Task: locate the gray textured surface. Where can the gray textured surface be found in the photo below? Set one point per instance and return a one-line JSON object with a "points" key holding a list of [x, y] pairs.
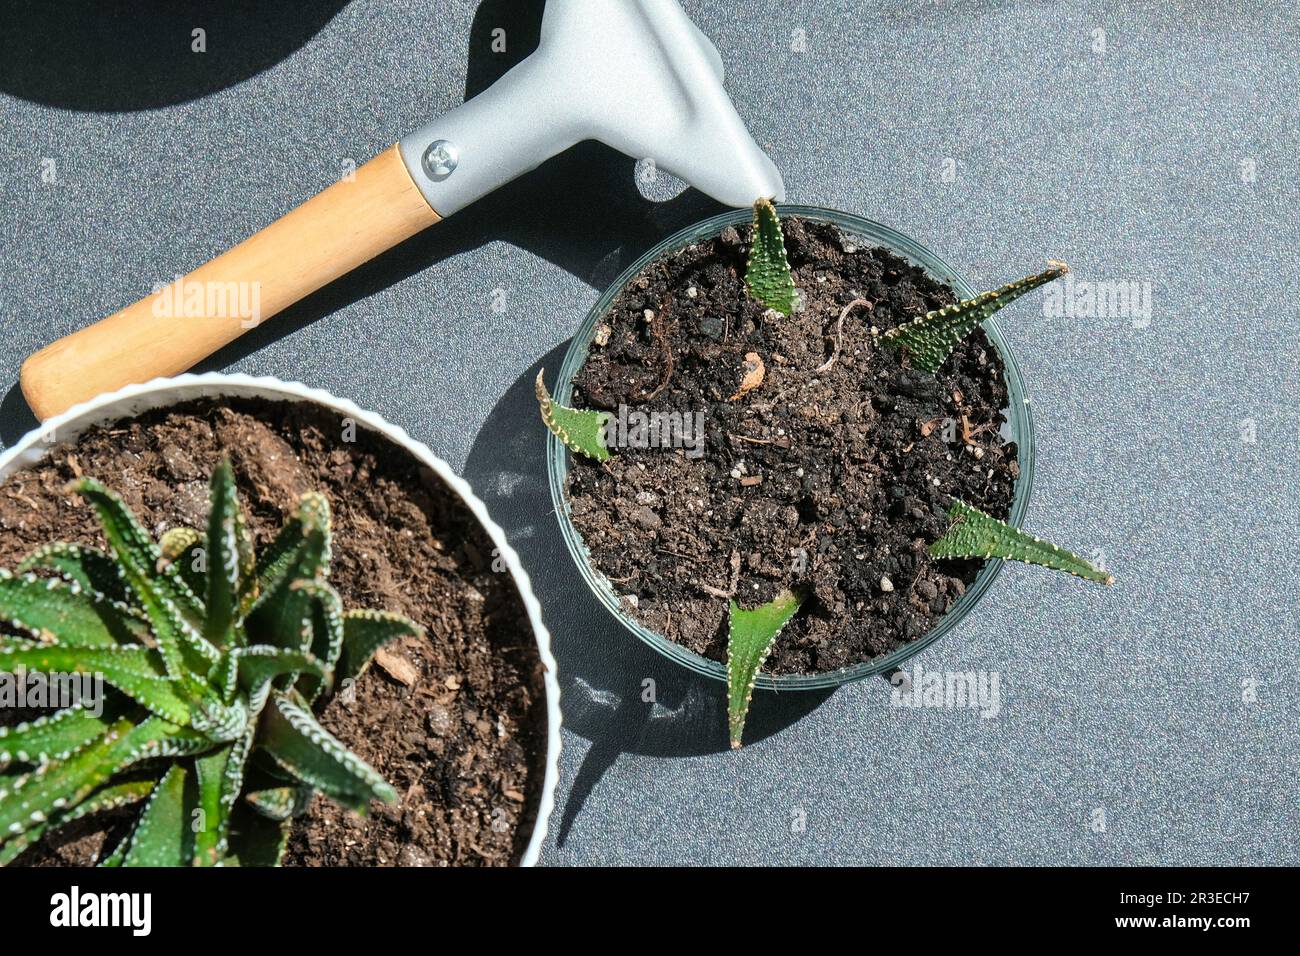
{"points": [[1126, 163]]}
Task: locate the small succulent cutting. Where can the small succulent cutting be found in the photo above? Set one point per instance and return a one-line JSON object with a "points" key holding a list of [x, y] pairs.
{"points": [[927, 342], [750, 635], [767, 273], [973, 534], [213, 656], [581, 431], [930, 339]]}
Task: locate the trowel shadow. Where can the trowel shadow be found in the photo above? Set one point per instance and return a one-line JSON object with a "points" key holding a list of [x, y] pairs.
{"points": [[113, 57], [16, 419], [617, 692]]}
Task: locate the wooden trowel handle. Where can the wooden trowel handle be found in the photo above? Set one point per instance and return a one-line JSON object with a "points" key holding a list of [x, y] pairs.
{"points": [[184, 322]]}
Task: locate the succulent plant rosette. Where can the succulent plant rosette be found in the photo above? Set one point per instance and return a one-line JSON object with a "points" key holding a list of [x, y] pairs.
{"points": [[920, 346], [211, 657]]}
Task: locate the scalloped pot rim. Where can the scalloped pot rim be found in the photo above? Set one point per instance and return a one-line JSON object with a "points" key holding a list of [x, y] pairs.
{"points": [[159, 393]]}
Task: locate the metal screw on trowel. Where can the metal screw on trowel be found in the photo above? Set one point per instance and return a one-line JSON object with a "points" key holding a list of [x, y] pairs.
{"points": [[440, 159]]}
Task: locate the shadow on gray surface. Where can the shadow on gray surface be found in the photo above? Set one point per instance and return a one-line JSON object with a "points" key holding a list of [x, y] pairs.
{"points": [[520, 26], [116, 56], [604, 670], [16, 419]]}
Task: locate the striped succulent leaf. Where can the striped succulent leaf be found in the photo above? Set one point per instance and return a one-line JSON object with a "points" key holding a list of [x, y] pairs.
{"points": [[322, 633], [277, 803], [930, 339], [310, 753], [364, 632], [767, 273], [211, 657], [55, 607], [749, 640], [581, 430], [89, 568], [129, 789], [974, 534], [164, 834]]}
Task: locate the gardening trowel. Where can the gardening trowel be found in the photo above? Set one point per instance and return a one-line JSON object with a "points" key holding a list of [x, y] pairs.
{"points": [[635, 74]]}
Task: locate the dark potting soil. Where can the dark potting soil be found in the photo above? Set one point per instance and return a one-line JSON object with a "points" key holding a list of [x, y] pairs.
{"points": [[456, 722], [830, 478]]}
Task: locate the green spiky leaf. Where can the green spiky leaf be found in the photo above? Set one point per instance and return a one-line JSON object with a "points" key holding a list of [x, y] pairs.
{"points": [[224, 676], [364, 632], [261, 663], [215, 772], [277, 803], [56, 736], [325, 621], [930, 339], [298, 744], [581, 430], [93, 570], [223, 555], [29, 800], [110, 797], [154, 738], [280, 611], [172, 607], [274, 562], [246, 555], [122, 792], [54, 609], [749, 640], [136, 554], [164, 834], [974, 534], [767, 274], [137, 672]]}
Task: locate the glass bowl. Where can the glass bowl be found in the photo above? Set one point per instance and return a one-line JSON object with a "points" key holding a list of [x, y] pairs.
{"points": [[1018, 428]]}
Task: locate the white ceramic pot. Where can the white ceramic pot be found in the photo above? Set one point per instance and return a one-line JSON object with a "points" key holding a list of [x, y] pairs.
{"points": [[163, 392]]}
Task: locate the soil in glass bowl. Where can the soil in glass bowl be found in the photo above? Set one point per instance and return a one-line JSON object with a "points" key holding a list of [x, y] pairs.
{"points": [[456, 722], [828, 477]]}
